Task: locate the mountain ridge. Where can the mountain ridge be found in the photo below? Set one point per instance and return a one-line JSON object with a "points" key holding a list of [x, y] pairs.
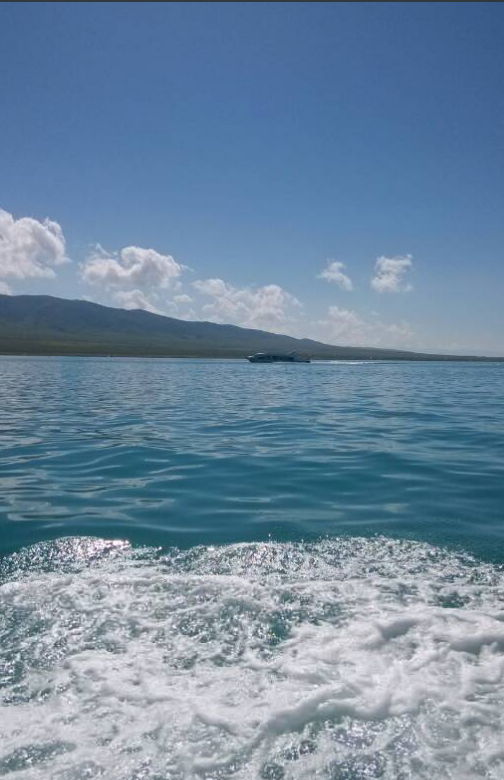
{"points": [[48, 325]]}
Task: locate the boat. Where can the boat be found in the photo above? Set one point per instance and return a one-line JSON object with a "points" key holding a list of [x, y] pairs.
{"points": [[275, 357]]}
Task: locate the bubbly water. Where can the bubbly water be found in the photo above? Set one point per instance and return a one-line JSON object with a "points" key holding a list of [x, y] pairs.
{"points": [[218, 570]]}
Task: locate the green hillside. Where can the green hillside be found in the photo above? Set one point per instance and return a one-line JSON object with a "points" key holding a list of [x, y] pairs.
{"points": [[44, 325]]}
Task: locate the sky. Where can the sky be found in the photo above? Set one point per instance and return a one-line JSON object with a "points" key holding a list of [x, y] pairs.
{"points": [[331, 170]]}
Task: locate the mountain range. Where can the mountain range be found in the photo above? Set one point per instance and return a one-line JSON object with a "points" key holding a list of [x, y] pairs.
{"points": [[45, 325]]}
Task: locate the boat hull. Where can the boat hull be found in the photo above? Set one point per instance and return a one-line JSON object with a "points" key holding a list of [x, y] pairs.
{"points": [[271, 358]]}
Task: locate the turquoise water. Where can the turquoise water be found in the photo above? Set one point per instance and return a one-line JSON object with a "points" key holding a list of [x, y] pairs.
{"points": [[172, 452], [212, 569]]}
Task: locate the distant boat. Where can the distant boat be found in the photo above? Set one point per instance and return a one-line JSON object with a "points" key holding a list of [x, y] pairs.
{"points": [[270, 357]]}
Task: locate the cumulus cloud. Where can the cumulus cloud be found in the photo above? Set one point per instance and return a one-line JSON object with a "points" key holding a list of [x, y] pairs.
{"points": [[135, 276], [346, 327], [267, 307], [183, 298], [135, 299], [188, 315], [29, 248], [5, 289], [390, 273], [133, 268], [344, 323], [334, 273], [214, 287]]}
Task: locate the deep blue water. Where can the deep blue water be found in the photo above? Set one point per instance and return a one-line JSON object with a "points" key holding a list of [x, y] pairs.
{"points": [[185, 452], [211, 570]]}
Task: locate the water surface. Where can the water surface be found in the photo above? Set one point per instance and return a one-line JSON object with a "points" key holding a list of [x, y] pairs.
{"points": [[214, 570], [184, 452]]}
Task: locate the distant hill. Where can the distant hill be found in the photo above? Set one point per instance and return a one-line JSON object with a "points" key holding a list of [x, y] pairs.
{"points": [[44, 325]]}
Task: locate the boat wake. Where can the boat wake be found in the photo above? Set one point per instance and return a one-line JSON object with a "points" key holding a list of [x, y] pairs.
{"points": [[348, 659]]}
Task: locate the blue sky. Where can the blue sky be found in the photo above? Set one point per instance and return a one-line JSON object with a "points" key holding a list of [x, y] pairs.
{"points": [[230, 153]]}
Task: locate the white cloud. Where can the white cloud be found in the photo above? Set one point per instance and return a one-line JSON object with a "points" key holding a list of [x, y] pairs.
{"points": [[216, 287], [346, 327], [5, 289], [135, 276], [334, 273], [189, 315], [184, 298], [29, 248], [133, 268], [265, 307], [344, 323], [135, 299], [390, 273]]}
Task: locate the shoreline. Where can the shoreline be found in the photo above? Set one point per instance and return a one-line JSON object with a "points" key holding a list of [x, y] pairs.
{"points": [[320, 359]]}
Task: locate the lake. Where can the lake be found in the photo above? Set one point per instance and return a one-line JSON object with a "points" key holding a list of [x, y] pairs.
{"points": [[213, 569]]}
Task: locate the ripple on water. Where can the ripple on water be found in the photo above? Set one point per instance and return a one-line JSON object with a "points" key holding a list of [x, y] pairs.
{"points": [[188, 452]]}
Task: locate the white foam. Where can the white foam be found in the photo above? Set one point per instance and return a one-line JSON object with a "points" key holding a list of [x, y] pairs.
{"points": [[346, 659]]}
